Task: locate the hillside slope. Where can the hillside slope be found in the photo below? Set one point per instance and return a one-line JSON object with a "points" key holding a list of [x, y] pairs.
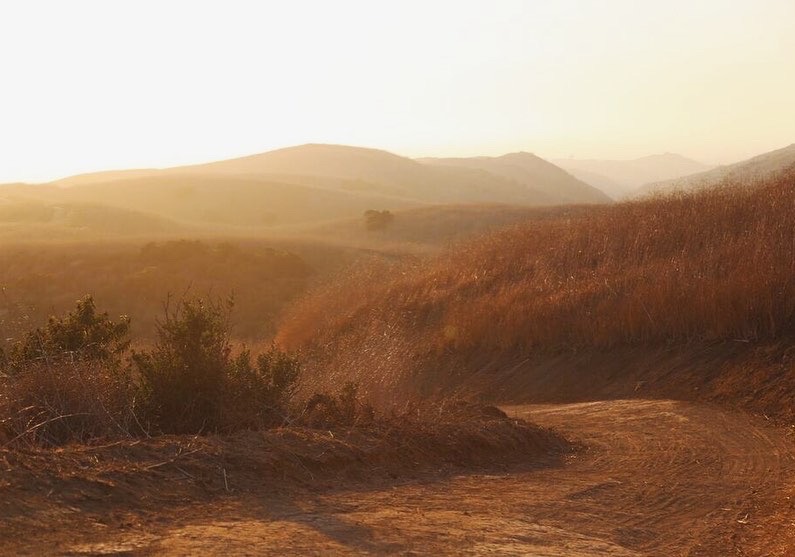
{"points": [[30, 219], [759, 168], [430, 228], [531, 172], [209, 199], [519, 178], [383, 172], [309, 184], [135, 279], [625, 284]]}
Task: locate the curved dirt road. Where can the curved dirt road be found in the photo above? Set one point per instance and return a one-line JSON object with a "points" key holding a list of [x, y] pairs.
{"points": [[657, 478]]}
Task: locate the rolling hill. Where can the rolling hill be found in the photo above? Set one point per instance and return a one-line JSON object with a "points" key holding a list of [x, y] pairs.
{"points": [[620, 178], [308, 184], [579, 303], [215, 201], [516, 178], [429, 229], [531, 172], [31, 219]]}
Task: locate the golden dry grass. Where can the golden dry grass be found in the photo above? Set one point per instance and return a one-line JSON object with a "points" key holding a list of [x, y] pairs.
{"points": [[711, 266]]}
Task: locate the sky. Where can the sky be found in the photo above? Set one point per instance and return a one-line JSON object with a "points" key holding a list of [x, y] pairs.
{"points": [[94, 85]]}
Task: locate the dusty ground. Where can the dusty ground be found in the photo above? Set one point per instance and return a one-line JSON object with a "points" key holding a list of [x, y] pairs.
{"points": [[657, 478]]}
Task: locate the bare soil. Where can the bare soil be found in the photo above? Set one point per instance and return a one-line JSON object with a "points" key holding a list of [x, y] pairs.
{"points": [[653, 478]]}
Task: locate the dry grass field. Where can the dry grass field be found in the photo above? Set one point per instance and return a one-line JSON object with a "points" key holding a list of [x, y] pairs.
{"points": [[677, 270], [609, 325]]}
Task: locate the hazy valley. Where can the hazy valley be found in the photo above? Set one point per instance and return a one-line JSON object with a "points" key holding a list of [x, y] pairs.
{"points": [[498, 280], [414, 278]]}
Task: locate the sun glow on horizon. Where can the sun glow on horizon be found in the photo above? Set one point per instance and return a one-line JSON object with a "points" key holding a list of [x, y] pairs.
{"points": [[92, 85]]}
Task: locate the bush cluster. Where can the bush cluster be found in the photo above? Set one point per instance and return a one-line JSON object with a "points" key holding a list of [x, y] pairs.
{"points": [[75, 379], [83, 334], [67, 381]]}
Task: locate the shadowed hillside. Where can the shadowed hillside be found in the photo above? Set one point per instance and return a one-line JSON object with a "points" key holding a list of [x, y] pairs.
{"points": [[639, 274]]}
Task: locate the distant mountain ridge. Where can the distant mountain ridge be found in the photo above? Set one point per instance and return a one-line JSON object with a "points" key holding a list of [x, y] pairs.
{"points": [[748, 171], [312, 183], [306, 186], [534, 180], [532, 172], [621, 178]]}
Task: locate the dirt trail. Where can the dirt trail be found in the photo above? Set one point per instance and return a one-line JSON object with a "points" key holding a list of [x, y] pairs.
{"points": [[657, 478]]}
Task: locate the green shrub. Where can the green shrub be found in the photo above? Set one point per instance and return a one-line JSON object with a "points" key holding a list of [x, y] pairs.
{"points": [[81, 335], [259, 395], [70, 383], [65, 381], [192, 383], [182, 376]]}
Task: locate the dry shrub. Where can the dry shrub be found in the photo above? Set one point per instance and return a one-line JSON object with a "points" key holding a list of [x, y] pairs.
{"points": [[68, 402], [712, 266], [345, 409], [66, 382], [70, 381], [258, 394]]}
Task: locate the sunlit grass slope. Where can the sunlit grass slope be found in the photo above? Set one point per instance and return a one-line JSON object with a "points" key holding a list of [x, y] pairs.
{"points": [[709, 267]]}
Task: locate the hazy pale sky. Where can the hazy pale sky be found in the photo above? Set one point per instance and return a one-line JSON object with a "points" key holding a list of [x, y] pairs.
{"points": [[90, 85]]}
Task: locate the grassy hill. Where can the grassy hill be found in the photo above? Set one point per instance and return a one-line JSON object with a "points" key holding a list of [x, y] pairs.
{"points": [[517, 178], [639, 276], [54, 254]]}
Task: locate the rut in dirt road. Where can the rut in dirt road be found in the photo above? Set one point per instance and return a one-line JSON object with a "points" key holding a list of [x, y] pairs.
{"points": [[672, 478], [657, 478]]}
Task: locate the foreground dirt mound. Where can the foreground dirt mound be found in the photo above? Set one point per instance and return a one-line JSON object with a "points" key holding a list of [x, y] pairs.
{"points": [[656, 478], [113, 484]]}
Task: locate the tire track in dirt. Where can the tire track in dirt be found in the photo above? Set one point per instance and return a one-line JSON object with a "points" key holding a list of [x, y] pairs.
{"points": [[656, 478], [681, 478]]}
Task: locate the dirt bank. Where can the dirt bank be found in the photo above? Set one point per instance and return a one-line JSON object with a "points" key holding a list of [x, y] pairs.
{"points": [[51, 498], [755, 377], [659, 478]]}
